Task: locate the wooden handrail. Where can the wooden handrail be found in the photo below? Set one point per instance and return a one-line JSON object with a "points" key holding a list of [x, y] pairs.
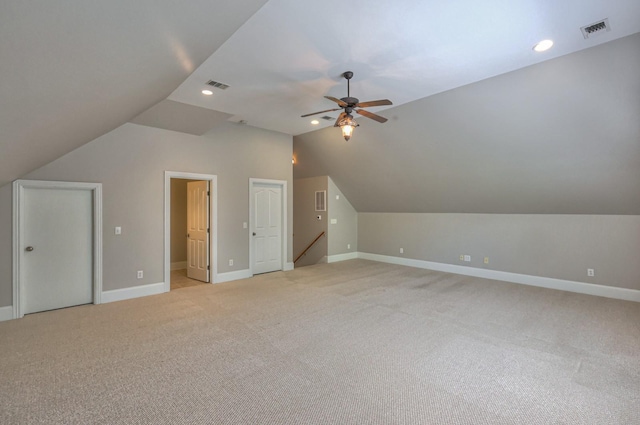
{"points": [[308, 247]]}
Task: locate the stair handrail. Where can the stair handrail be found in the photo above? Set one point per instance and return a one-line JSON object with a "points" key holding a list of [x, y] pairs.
{"points": [[308, 247]]}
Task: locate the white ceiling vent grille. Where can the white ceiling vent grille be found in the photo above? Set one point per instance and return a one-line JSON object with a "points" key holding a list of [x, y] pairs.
{"points": [[321, 200], [327, 117], [217, 85], [596, 28]]}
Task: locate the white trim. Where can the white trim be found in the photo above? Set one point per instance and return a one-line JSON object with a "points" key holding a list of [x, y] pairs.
{"points": [[285, 223], [342, 257], [18, 230], [213, 211], [6, 313], [543, 282], [133, 292], [288, 267], [180, 265], [235, 275]]}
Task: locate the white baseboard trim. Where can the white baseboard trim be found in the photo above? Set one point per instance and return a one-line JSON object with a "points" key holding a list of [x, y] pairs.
{"points": [[180, 265], [288, 267], [342, 257], [6, 313], [544, 282], [133, 292], [236, 275]]}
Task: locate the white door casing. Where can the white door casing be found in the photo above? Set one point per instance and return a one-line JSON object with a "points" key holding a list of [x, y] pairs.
{"points": [[198, 230], [213, 220], [268, 224], [57, 245]]}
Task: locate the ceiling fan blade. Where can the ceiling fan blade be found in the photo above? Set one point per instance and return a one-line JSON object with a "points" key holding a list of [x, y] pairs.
{"points": [[381, 102], [315, 113], [342, 115], [371, 115], [338, 101]]}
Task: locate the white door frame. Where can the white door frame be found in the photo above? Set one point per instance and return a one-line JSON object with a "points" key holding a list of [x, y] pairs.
{"points": [[283, 228], [213, 222], [18, 230]]}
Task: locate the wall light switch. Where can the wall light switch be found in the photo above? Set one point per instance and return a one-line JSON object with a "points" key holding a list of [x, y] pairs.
{"points": [[461, 257], [591, 272], [348, 246], [334, 221], [486, 260], [467, 258], [244, 225], [337, 196], [231, 262], [401, 250], [140, 274], [118, 230]]}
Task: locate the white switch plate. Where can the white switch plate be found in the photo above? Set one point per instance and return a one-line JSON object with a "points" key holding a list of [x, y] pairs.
{"points": [[591, 272], [348, 246], [244, 225], [334, 221], [467, 258], [461, 257], [118, 230], [231, 262], [401, 250], [337, 196], [140, 274], [486, 260]]}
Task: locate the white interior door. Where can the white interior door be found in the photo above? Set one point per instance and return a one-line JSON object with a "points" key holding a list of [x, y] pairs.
{"points": [[267, 228], [198, 230], [57, 249]]}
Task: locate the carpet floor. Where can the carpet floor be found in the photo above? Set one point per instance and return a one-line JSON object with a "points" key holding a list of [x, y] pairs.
{"points": [[355, 342]]}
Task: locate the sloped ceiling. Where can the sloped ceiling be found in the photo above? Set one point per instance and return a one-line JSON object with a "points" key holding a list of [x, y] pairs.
{"points": [[72, 70], [559, 137]]}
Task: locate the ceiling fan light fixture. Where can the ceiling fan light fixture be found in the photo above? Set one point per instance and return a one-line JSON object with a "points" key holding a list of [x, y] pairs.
{"points": [[347, 124]]}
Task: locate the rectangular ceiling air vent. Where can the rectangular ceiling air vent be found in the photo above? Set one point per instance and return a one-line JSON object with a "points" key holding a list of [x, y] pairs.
{"points": [[328, 118], [596, 28], [217, 85]]}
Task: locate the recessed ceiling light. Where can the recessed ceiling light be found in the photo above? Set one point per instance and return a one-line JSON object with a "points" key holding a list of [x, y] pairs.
{"points": [[543, 46], [315, 122], [207, 92]]}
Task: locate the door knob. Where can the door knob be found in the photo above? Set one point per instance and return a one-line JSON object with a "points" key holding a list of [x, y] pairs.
{"points": [[29, 248]]}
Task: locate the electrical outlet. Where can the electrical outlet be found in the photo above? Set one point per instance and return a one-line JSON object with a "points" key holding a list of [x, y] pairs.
{"points": [[231, 262], [486, 260], [401, 250], [591, 272], [461, 257], [140, 274], [348, 246], [467, 258], [244, 225]]}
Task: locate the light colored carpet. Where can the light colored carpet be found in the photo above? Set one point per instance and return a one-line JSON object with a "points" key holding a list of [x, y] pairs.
{"points": [[355, 342]]}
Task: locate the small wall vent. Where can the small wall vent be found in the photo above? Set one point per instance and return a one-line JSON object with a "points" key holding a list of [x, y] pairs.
{"points": [[217, 85], [596, 28], [328, 118], [321, 200]]}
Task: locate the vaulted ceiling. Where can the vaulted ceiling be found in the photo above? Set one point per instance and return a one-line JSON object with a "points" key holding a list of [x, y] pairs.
{"points": [[73, 70]]}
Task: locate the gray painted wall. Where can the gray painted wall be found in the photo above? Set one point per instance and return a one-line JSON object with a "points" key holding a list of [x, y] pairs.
{"points": [[305, 224], [556, 246], [178, 220], [345, 231], [130, 163], [559, 137]]}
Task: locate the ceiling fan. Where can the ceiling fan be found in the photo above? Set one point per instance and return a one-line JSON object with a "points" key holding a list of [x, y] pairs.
{"points": [[345, 121]]}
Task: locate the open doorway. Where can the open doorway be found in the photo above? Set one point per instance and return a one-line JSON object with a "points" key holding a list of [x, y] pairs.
{"points": [[189, 233], [190, 236]]}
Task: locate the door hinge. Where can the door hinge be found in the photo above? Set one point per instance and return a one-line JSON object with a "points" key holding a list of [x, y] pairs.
{"points": [[208, 193], [208, 230]]}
